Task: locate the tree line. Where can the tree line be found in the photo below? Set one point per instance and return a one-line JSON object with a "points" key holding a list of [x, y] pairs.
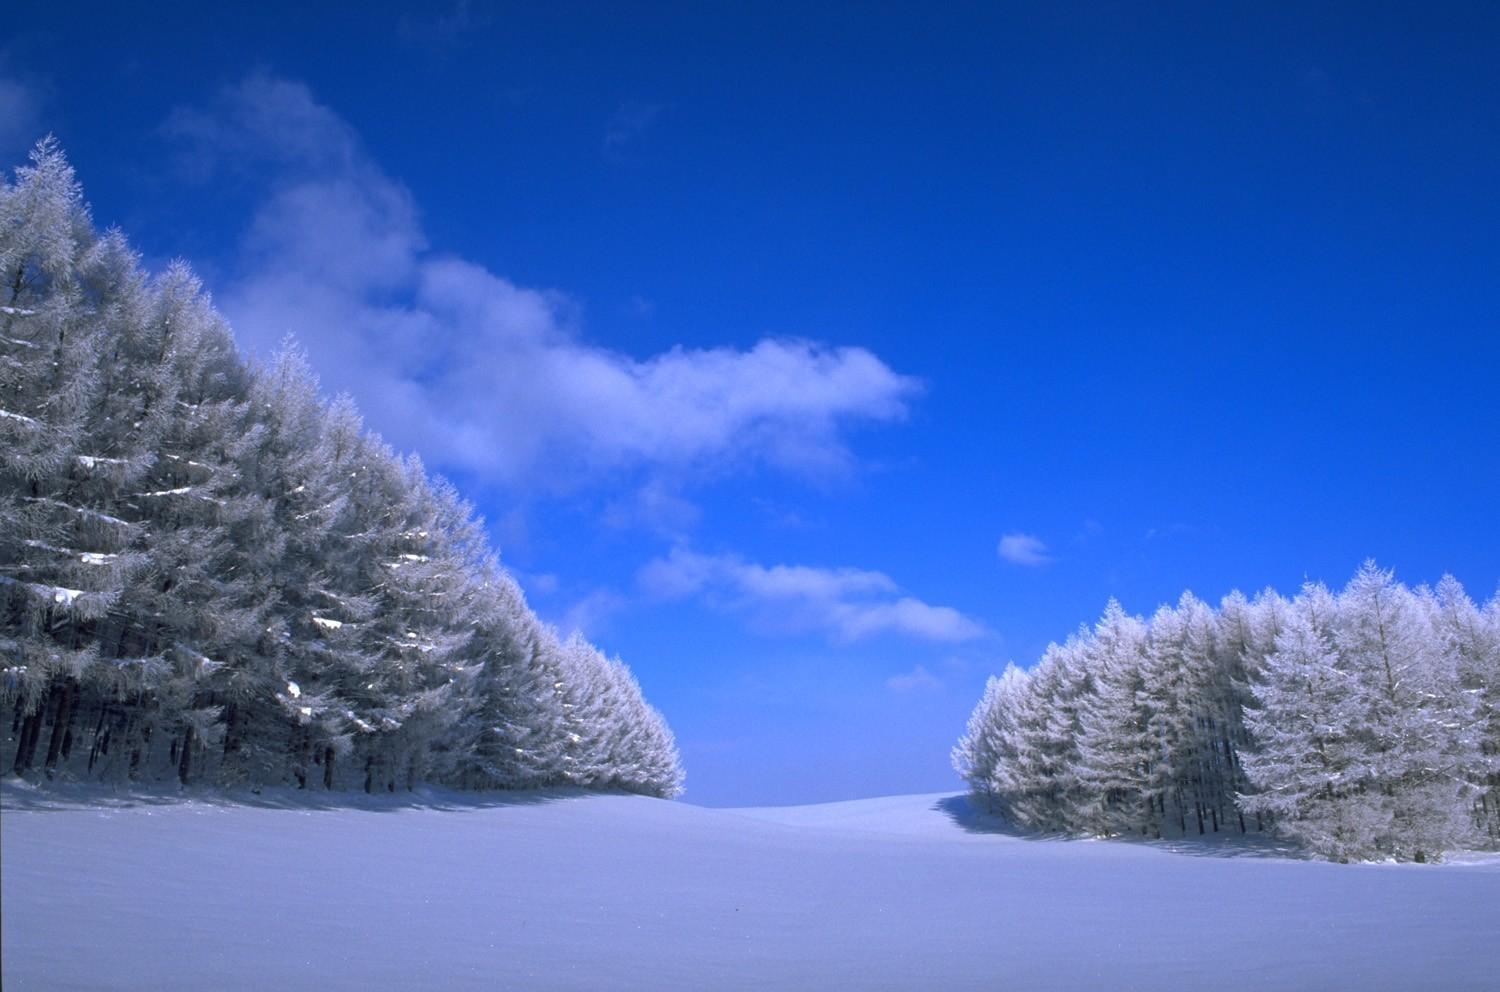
{"points": [[1363, 723], [209, 573]]}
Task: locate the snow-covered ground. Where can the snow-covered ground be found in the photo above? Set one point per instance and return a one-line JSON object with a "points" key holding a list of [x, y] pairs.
{"points": [[564, 891]]}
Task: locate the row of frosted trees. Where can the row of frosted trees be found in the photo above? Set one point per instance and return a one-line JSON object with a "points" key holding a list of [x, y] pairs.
{"points": [[208, 573], [1359, 724]]}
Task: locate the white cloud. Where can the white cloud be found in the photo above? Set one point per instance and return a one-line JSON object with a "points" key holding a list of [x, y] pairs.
{"points": [[480, 374], [847, 604], [1023, 549], [264, 120], [589, 615], [919, 679], [537, 583]]}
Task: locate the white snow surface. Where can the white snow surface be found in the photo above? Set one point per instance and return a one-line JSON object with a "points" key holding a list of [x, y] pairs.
{"points": [[571, 891]]}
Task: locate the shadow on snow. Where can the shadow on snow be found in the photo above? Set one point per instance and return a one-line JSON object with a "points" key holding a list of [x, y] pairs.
{"points": [[19, 794], [972, 819]]}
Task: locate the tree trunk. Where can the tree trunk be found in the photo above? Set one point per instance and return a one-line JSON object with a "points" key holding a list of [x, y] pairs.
{"points": [[98, 735], [29, 728], [231, 721], [60, 727], [299, 751], [185, 765], [139, 751]]}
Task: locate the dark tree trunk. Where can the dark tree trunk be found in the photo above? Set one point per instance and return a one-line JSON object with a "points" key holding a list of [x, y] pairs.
{"points": [[185, 765], [98, 735], [60, 727], [29, 729], [299, 750], [139, 751], [328, 768], [231, 725]]}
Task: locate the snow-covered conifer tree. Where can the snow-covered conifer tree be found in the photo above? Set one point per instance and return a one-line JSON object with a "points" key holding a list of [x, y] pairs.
{"points": [[208, 574], [1117, 756], [1415, 722], [1359, 724], [1310, 761]]}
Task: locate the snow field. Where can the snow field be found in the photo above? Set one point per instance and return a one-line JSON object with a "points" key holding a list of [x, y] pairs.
{"points": [[572, 891]]}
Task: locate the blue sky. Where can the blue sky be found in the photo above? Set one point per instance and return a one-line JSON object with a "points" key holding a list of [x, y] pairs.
{"points": [[820, 361]]}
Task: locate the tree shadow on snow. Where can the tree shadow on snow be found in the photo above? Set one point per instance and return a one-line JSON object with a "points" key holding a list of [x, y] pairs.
{"points": [[962, 810], [23, 795]]}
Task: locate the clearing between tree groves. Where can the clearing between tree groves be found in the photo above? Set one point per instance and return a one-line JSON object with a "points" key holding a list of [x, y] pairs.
{"points": [[554, 890]]}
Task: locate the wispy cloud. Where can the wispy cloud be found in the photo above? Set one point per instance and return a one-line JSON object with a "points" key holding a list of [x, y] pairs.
{"points": [[627, 129], [590, 614], [919, 679], [846, 604], [478, 373], [536, 583], [1023, 549]]}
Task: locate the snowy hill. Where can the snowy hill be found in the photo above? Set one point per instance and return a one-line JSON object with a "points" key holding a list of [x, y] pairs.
{"points": [[573, 891]]}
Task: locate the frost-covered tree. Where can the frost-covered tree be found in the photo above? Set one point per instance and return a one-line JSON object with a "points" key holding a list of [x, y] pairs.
{"points": [[209, 574], [1471, 639], [1117, 758], [1359, 724], [992, 745], [1176, 672], [1415, 720], [1310, 762]]}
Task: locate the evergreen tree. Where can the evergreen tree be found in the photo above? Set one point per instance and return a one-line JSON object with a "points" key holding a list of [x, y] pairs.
{"points": [[1414, 722], [208, 574], [1310, 763], [1359, 725], [1116, 755]]}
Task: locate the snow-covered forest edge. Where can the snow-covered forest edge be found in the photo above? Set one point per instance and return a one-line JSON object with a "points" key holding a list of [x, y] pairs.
{"points": [[1359, 724], [212, 575]]}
